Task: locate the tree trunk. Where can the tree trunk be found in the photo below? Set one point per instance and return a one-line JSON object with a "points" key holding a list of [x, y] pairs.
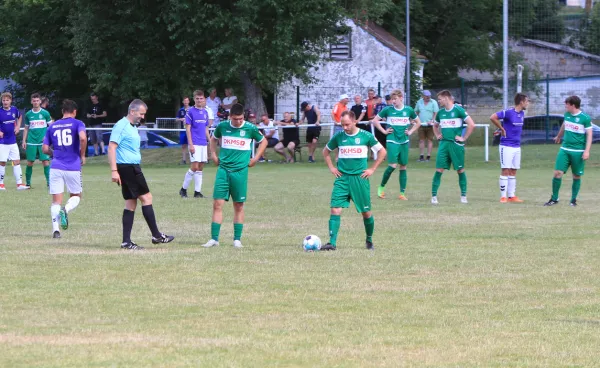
{"points": [[588, 6], [253, 96]]}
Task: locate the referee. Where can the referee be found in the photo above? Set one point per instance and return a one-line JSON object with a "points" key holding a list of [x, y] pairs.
{"points": [[124, 159]]}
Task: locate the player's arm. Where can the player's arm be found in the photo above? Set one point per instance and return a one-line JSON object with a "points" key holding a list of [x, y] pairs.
{"points": [[214, 143], [18, 124], [318, 122], [362, 114], [436, 130], [589, 135], [82, 145], [25, 133], [470, 128], [46, 144], [433, 118], [560, 134], [112, 161], [496, 121], [262, 146], [330, 146], [416, 125], [188, 134], [376, 121], [381, 155]]}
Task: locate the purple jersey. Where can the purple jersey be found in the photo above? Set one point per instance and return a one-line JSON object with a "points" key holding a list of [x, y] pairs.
{"points": [[8, 120], [198, 119], [63, 136], [512, 122]]}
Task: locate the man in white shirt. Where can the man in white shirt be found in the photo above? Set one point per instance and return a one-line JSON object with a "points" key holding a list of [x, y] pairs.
{"points": [[229, 99], [213, 101], [270, 131]]}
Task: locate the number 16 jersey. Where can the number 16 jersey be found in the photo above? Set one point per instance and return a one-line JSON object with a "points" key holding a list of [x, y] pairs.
{"points": [[63, 136]]}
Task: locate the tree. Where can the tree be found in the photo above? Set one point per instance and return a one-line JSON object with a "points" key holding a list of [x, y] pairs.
{"points": [[589, 37]]}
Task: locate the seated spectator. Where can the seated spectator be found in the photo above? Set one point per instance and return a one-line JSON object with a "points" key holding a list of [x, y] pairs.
{"points": [[271, 132], [229, 100], [252, 119], [291, 138]]}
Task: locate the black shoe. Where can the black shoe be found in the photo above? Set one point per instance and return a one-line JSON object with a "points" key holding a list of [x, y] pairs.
{"points": [[56, 235], [328, 246], [551, 202], [162, 239], [428, 158], [574, 203], [421, 159], [183, 193], [131, 246], [198, 195], [369, 245]]}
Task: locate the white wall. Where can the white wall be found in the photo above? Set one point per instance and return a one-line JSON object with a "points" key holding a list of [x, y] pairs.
{"points": [[371, 62]]}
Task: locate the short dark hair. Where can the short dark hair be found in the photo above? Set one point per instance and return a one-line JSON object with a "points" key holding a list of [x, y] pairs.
{"points": [[237, 109], [520, 97], [69, 106], [349, 113], [573, 100], [93, 94], [303, 105], [35, 95]]}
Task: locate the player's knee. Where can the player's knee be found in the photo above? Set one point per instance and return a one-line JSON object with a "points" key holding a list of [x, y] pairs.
{"points": [[394, 166], [558, 174], [336, 211], [576, 177], [18, 162], [146, 199], [30, 163], [367, 214], [218, 205], [403, 167], [460, 171], [2, 163], [238, 206]]}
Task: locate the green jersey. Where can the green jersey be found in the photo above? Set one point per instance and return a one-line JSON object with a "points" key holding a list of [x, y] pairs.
{"points": [[236, 144], [353, 150], [451, 123], [37, 123], [399, 121], [575, 128]]}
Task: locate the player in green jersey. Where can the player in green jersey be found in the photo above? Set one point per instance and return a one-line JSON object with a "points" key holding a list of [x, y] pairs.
{"points": [[448, 127], [236, 138], [398, 117], [36, 123], [575, 150], [351, 175]]}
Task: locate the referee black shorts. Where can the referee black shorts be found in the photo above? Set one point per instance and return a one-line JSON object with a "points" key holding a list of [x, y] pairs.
{"points": [[133, 182]]}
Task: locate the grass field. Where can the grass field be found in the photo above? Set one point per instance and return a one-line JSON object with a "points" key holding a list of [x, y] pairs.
{"points": [[482, 284]]}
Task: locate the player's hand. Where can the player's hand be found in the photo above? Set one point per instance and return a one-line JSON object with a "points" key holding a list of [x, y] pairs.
{"points": [[1, 134], [24, 145], [408, 132], [192, 149], [215, 159], [439, 137], [253, 162], [368, 172], [335, 172], [459, 138], [89, 115], [586, 155], [116, 178], [503, 132], [82, 160], [557, 139], [17, 130], [317, 124], [389, 130]]}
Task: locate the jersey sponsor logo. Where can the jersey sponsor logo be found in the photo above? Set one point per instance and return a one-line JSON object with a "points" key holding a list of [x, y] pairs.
{"points": [[34, 124], [450, 123], [353, 152], [240, 144], [398, 121], [574, 128]]}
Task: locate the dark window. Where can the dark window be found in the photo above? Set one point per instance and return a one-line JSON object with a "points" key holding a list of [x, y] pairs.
{"points": [[342, 49]]}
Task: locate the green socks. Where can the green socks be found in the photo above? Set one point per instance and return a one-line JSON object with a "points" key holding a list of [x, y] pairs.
{"points": [[47, 174], [215, 229], [462, 182], [575, 189], [403, 180], [435, 184], [556, 182], [334, 227], [369, 227], [386, 175], [28, 172], [237, 231]]}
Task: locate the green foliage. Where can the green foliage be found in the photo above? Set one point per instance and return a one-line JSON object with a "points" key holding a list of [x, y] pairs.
{"points": [[589, 37]]}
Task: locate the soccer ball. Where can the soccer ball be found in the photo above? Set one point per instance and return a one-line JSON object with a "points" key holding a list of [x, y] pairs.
{"points": [[311, 243]]}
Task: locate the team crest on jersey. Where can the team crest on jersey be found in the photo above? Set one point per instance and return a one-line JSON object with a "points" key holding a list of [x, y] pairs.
{"points": [[242, 133], [404, 113], [577, 120], [357, 140], [452, 114]]}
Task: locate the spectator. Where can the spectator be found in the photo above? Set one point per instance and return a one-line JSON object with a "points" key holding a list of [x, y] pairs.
{"points": [[388, 100], [252, 118], [291, 138], [427, 110], [229, 99], [360, 111], [313, 118], [336, 113], [96, 115], [379, 105], [381, 138], [213, 101], [271, 132], [143, 131], [370, 102], [45, 103], [182, 135]]}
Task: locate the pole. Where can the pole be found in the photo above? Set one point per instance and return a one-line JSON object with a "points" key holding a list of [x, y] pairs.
{"points": [[463, 100], [407, 90], [505, 54], [519, 78], [297, 103], [378, 88], [547, 107], [487, 143]]}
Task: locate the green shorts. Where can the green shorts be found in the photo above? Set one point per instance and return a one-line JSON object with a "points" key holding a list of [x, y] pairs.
{"points": [[450, 153], [234, 184], [565, 158], [32, 152], [351, 187], [397, 153]]}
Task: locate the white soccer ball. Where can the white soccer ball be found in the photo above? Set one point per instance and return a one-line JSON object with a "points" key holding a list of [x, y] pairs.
{"points": [[311, 243]]}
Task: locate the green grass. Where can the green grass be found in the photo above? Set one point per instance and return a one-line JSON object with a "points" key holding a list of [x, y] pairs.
{"points": [[482, 284]]}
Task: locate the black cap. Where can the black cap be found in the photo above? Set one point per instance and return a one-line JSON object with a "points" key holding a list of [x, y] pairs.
{"points": [[303, 105], [388, 97]]}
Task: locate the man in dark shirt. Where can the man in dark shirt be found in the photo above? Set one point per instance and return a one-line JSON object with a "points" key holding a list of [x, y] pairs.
{"points": [[291, 137], [96, 115], [313, 117], [360, 111]]}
